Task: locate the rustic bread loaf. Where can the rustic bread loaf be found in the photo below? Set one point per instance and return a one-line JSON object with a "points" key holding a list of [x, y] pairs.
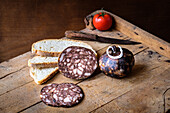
{"points": [[42, 75], [43, 62], [53, 47]]}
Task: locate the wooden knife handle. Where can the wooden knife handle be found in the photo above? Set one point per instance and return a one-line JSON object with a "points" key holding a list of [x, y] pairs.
{"points": [[78, 34]]}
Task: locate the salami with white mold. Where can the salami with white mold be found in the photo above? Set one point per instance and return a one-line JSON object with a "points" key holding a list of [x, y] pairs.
{"points": [[61, 95], [77, 62]]}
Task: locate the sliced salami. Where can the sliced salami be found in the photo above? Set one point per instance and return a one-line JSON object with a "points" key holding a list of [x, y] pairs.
{"points": [[77, 62], [65, 94]]}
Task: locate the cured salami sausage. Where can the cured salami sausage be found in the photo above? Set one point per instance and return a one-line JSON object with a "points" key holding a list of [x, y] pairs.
{"points": [[116, 62], [65, 94], [77, 62]]}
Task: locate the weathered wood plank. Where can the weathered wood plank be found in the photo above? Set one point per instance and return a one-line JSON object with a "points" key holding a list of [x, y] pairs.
{"points": [[146, 38], [15, 80], [12, 77], [13, 65], [19, 62], [100, 89], [101, 53], [58, 79], [24, 96], [144, 98], [147, 63], [138, 34], [22, 77]]}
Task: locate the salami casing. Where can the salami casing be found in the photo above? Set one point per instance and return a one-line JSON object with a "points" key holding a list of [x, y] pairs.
{"points": [[119, 67]]}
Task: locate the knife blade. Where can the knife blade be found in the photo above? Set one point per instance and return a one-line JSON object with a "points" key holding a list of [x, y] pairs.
{"points": [[80, 35]]}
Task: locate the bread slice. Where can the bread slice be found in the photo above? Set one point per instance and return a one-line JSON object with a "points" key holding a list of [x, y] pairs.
{"points": [[42, 75], [53, 47], [43, 62]]}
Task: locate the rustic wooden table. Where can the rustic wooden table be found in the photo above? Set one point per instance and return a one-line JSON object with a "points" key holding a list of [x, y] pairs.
{"points": [[142, 91]]}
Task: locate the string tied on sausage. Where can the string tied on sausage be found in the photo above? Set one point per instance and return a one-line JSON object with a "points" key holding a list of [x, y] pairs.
{"points": [[113, 48]]}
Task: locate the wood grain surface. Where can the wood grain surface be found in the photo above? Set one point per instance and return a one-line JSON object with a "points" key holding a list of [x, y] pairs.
{"points": [[23, 22], [139, 34], [141, 91]]}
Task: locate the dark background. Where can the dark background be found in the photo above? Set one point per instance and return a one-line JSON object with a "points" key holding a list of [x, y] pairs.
{"points": [[23, 22]]}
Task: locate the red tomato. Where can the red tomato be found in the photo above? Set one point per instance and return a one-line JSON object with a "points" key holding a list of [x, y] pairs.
{"points": [[102, 21]]}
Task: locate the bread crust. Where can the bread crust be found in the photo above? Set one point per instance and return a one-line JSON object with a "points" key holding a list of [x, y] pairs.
{"points": [[45, 79], [54, 54], [45, 53], [43, 65]]}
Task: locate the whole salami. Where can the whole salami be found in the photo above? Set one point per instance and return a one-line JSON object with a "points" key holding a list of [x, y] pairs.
{"points": [[116, 62], [77, 62], [65, 94]]}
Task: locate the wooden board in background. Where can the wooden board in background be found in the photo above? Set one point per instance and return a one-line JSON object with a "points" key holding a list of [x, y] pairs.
{"points": [[19, 93], [23, 22]]}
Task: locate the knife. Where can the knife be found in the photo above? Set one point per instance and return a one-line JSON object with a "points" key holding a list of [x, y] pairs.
{"points": [[79, 35]]}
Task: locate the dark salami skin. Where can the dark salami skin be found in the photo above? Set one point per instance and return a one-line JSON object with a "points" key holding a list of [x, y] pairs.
{"points": [[77, 62], [117, 68], [61, 95]]}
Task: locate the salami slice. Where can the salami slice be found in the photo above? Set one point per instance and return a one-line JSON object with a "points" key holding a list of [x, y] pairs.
{"points": [[77, 62], [65, 94]]}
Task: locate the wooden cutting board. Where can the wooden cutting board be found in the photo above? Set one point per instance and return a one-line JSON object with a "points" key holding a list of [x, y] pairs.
{"points": [[144, 90]]}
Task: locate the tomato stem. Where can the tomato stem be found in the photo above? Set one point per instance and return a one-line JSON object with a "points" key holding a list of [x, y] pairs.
{"points": [[102, 13]]}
